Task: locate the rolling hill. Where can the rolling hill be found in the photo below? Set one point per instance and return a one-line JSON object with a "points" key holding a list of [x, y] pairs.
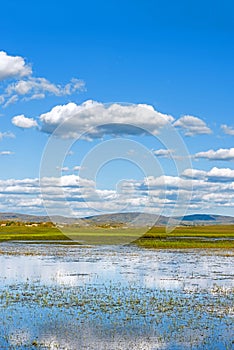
{"points": [[124, 219]]}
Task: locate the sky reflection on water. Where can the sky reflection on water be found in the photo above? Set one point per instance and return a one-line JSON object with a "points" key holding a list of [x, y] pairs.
{"points": [[108, 298], [78, 266]]}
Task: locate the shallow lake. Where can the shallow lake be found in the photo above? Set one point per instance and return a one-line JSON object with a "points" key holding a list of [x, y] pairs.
{"points": [[116, 297]]}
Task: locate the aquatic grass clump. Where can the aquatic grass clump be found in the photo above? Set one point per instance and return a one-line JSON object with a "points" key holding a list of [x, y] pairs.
{"points": [[111, 312], [115, 298]]}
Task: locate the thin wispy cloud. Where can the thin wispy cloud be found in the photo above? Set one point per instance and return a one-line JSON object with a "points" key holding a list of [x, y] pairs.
{"points": [[164, 153], [77, 168], [6, 153], [6, 134], [63, 169], [228, 130]]}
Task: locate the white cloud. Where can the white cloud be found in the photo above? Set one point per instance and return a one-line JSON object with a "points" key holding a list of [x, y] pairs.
{"points": [[211, 189], [23, 122], [27, 87], [10, 100], [228, 130], [38, 96], [98, 119], [215, 174], [194, 173], [6, 153], [220, 174], [166, 153], [65, 168], [77, 168], [39, 86], [6, 134], [13, 66], [167, 181], [192, 125], [220, 154]]}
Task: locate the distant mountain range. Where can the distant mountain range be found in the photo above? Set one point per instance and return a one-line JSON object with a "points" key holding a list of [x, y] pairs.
{"points": [[140, 219], [124, 219]]}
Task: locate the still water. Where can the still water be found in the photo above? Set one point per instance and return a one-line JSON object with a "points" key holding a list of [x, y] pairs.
{"points": [[116, 297]]}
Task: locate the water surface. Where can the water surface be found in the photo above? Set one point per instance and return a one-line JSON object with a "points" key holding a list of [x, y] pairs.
{"points": [[115, 297]]}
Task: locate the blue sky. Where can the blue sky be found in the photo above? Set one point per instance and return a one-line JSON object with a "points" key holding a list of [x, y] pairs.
{"points": [[174, 56]]}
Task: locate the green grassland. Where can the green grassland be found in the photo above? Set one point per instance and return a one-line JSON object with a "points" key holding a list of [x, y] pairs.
{"points": [[217, 236], [30, 233], [69, 233]]}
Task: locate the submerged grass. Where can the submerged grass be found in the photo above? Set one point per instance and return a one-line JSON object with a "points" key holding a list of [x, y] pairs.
{"points": [[112, 312], [114, 316]]}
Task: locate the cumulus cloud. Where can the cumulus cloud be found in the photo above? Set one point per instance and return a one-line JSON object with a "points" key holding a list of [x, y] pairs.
{"points": [[211, 189], [192, 125], [214, 175], [228, 130], [220, 174], [221, 154], [194, 173], [27, 87], [23, 122], [97, 120], [13, 66]]}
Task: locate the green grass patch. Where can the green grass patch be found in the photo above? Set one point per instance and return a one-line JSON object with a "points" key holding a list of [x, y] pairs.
{"points": [[30, 233], [203, 237], [70, 233]]}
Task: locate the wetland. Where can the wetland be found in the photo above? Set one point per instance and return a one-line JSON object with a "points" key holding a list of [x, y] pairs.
{"points": [[56, 296]]}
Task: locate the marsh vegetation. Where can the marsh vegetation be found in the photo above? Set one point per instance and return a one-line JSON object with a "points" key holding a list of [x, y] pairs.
{"points": [[113, 297], [184, 237], [58, 292]]}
